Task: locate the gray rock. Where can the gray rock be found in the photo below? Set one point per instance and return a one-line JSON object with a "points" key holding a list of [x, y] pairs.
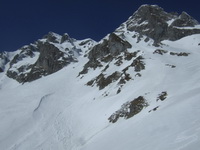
{"points": [[114, 46], [174, 33], [162, 96], [20, 71], [103, 81], [105, 51], [129, 109], [26, 51], [184, 20], [20, 74], [153, 22], [51, 59], [3, 60], [149, 20], [65, 38], [52, 37], [45, 58]]}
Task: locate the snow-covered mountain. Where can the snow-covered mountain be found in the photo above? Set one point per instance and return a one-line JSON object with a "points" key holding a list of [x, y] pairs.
{"points": [[45, 56], [137, 88]]}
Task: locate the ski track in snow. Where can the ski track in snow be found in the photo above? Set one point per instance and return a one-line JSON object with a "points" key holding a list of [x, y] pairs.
{"points": [[63, 131]]}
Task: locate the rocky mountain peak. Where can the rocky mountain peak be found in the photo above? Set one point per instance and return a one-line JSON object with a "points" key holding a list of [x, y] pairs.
{"points": [[146, 11], [52, 37], [156, 14], [184, 20], [54, 51], [45, 56], [65, 38], [56, 38], [148, 14], [153, 22]]}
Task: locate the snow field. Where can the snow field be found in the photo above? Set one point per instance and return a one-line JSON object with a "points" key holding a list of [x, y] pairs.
{"points": [[60, 112]]}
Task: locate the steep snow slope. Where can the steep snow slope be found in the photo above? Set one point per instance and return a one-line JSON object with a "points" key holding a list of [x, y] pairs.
{"points": [[61, 112], [174, 123], [126, 92]]}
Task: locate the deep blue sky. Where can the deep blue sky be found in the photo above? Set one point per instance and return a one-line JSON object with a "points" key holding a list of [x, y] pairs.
{"points": [[24, 21]]}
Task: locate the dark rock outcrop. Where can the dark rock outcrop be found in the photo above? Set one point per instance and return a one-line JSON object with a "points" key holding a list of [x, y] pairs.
{"points": [[179, 54], [26, 51], [52, 37], [51, 59], [114, 46], [1, 70], [19, 71], [184, 20], [152, 21], [138, 64], [162, 96], [154, 109], [3, 60], [103, 81], [129, 109], [160, 51], [122, 76], [106, 51], [65, 38]]}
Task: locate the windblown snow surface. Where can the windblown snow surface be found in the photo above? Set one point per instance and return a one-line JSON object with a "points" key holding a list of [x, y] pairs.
{"points": [[60, 112]]}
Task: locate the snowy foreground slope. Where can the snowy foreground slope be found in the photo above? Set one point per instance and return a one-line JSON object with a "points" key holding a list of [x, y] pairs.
{"points": [[70, 109]]}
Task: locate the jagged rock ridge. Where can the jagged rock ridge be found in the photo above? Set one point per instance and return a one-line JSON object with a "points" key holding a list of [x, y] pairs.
{"points": [[46, 56], [153, 22], [53, 52], [150, 21]]}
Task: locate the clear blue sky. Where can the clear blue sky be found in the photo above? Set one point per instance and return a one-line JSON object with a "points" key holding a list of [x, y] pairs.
{"points": [[24, 21]]}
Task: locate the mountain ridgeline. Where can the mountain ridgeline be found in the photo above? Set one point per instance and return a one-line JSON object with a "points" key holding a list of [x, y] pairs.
{"points": [[53, 52], [44, 57]]}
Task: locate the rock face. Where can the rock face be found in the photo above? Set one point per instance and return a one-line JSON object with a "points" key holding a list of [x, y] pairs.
{"points": [[114, 46], [106, 51], [3, 60], [46, 56], [18, 70], [152, 21], [50, 60], [184, 20], [129, 109]]}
